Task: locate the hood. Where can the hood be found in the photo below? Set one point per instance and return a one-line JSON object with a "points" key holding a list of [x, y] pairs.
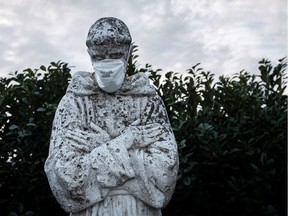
{"points": [[84, 83]]}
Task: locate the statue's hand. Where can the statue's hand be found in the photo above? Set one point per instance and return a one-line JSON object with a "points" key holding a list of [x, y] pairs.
{"points": [[81, 139], [138, 136], [130, 136], [149, 134], [101, 134], [87, 140]]}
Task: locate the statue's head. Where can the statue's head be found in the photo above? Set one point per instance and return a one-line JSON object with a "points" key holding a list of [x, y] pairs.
{"points": [[109, 43], [108, 37]]}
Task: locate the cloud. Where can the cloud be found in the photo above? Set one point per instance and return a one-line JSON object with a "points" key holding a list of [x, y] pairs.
{"points": [[224, 36]]}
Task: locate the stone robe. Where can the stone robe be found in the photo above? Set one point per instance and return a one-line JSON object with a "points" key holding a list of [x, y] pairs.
{"points": [[89, 168]]}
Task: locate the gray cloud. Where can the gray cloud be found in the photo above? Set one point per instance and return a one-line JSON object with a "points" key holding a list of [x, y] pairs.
{"points": [[224, 36]]}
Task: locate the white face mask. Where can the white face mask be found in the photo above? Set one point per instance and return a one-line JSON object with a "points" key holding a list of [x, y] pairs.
{"points": [[110, 74]]}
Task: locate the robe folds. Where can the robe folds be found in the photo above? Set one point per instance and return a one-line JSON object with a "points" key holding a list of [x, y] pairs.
{"points": [[90, 169]]}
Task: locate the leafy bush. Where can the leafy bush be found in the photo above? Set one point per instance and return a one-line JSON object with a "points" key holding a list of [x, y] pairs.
{"points": [[231, 135], [27, 105], [232, 138]]}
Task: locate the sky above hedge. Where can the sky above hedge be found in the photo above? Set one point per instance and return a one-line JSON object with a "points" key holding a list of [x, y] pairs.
{"points": [[225, 36]]}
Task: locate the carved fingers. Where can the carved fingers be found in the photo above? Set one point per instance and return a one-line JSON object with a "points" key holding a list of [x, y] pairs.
{"points": [[80, 138], [150, 134], [142, 136], [98, 130], [87, 140], [136, 122]]}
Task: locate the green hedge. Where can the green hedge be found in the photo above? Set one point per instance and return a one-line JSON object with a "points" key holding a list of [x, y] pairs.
{"points": [[232, 137], [231, 134], [28, 102]]}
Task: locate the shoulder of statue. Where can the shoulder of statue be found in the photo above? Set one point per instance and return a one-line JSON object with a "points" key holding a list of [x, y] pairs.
{"points": [[138, 85], [83, 83], [82, 75]]}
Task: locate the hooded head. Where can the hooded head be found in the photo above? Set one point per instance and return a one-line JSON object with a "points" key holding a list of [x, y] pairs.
{"points": [[108, 38], [109, 43]]}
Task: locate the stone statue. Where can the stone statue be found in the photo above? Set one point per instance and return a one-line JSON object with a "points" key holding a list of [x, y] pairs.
{"points": [[112, 149]]}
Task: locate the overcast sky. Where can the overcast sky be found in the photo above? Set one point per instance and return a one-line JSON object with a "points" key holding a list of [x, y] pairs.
{"points": [[225, 36]]}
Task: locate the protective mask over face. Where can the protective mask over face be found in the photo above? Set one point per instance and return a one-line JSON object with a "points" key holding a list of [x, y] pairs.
{"points": [[110, 74]]}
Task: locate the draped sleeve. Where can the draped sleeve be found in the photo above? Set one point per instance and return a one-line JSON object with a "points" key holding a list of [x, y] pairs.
{"points": [[155, 166], [81, 173]]}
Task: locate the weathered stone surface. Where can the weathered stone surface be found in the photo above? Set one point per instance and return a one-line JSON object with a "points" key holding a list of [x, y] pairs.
{"points": [[112, 154]]}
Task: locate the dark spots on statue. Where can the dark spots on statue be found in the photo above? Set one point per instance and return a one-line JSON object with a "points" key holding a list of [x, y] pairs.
{"points": [[165, 150], [77, 194], [161, 115], [161, 139], [61, 144], [167, 131], [147, 151], [78, 106], [120, 99], [117, 150], [151, 108], [126, 121]]}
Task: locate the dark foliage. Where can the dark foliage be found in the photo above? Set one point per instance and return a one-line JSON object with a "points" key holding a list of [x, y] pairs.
{"points": [[231, 136], [27, 105]]}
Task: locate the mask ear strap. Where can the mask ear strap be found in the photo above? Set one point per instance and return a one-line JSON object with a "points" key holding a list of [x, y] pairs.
{"points": [[129, 53]]}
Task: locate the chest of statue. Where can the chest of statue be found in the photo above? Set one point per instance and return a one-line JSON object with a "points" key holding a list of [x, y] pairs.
{"points": [[112, 113]]}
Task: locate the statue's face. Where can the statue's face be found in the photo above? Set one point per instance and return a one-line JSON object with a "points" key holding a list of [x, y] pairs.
{"points": [[109, 51]]}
